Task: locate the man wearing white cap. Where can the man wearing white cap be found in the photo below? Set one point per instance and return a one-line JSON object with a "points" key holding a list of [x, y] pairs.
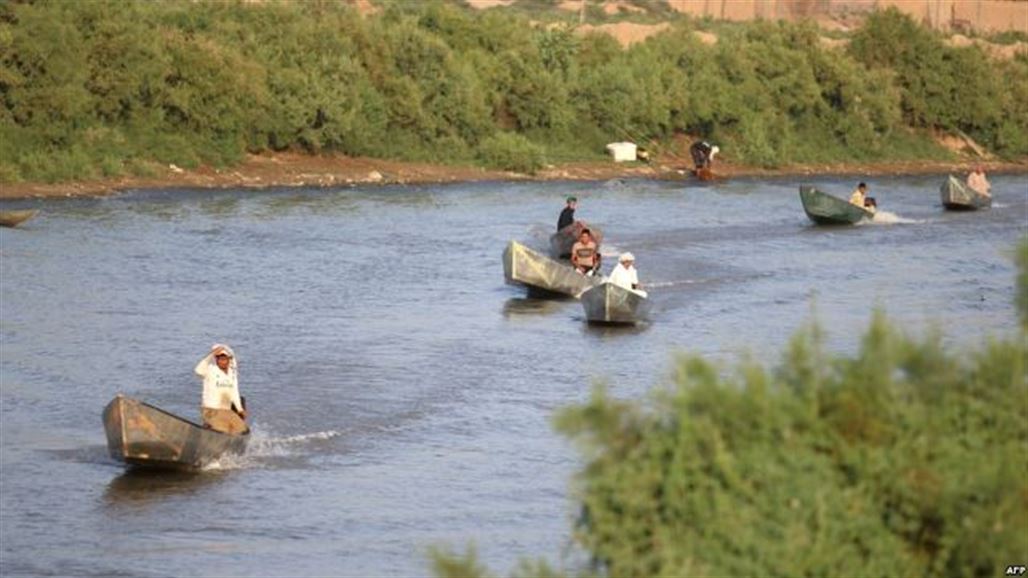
{"points": [[222, 408], [624, 274]]}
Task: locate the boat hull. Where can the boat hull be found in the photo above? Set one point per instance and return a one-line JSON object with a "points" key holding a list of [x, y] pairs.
{"points": [[609, 303], [142, 435], [824, 209], [523, 266], [15, 218], [562, 241], [957, 196]]}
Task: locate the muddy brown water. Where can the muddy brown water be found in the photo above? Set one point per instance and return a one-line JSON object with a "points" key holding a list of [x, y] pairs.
{"points": [[401, 393]]}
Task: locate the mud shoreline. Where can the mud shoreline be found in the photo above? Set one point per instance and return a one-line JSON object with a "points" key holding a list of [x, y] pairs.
{"points": [[298, 170]]}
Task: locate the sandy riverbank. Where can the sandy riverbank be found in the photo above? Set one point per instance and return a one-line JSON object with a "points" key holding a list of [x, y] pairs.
{"points": [[295, 170]]}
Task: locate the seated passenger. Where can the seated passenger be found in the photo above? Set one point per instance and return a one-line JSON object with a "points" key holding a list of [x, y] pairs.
{"points": [[860, 198], [624, 274], [585, 256], [977, 182]]}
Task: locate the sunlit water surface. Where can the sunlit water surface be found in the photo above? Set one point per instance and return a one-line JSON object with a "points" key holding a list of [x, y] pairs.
{"points": [[402, 394]]}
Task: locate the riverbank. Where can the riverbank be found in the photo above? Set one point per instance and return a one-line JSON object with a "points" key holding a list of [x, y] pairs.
{"points": [[299, 170]]}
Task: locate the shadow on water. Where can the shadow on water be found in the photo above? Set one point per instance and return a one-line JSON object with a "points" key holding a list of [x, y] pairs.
{"points": [[612, 330], [516, 306], [140, 487]]}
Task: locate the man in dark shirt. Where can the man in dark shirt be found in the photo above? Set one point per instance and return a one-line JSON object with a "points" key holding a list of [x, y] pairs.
{"points": [[567, 216], [703, 154]]}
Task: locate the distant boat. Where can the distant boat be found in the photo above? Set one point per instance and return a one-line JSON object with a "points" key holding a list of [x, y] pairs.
{"points": [[15, 218], [523, 266], [957, 196], [610, 303], [824, 209], [562, 241], [143, 435]]}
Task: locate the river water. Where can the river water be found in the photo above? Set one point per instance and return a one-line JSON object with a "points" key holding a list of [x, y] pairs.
{"points": [[401, 392]]}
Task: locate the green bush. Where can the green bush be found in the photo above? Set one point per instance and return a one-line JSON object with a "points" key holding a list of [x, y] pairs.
{"points": [[903, 460], [956, 89], [511, 152], [99, 85]]}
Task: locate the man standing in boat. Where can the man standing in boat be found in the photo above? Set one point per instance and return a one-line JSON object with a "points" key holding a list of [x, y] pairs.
{"points": [[585, 255], [222, 408], [567, 216], [860, 198], [977, 182]]}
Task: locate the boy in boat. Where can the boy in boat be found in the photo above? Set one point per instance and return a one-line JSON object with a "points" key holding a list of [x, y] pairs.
{"points": [[860, 198], [567, 216], [977, 182], [584, 254], [624, 274], [222, 409]]}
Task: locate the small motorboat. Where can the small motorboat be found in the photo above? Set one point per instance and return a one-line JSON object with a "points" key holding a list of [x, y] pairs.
{"points": [[523, 266], [957, 196], [610, 303], [15, 218], [143, 435], [824, 209]]}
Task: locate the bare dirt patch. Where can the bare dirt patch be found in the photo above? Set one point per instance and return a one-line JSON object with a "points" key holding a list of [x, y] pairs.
{"points": [[298, 170], [626, 33], [487, 4]]}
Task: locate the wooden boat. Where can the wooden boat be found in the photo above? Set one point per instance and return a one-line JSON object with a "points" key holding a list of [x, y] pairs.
{"points": [[704, 174], [824, 209], [140, 434], [523, 266], [15, 218], [957, 196], [610, 303], [562, 241]]}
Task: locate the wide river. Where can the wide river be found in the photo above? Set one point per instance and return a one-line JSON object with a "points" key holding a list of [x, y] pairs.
{"points": [[402, 394]]}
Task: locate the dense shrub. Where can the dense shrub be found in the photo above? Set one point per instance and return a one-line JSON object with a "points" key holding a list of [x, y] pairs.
{"points": [[511, 152], [94, 88], [903, 460], [946, 87]]}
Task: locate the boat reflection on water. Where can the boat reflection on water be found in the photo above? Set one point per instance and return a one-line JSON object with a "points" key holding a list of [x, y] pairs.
{"points": [[612, 331], [141, 487], [516, 306]]}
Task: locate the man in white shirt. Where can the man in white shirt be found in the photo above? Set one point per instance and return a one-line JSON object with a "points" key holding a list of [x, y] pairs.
{"points": [[222, 408], [624, 274]]}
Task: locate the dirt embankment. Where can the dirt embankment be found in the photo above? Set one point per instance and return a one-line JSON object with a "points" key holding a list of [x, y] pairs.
{"points": [[296, 170]]}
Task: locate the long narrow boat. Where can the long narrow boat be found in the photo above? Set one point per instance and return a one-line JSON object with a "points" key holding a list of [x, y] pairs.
{"points": [[957, 196], [142, 435], [610, 303], [824, 209], [562, 241], [15, 218], [523, 266]]}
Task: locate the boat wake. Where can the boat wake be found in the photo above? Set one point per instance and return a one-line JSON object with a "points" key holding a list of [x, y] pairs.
{"points": [[887, 218], [664, 284], [265, 444]]}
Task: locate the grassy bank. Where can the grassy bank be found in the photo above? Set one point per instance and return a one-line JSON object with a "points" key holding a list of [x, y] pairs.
{"points": [[105, 89]]}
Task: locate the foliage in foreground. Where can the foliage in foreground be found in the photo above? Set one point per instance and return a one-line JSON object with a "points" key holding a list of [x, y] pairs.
{"points": [[107, 87], [904, 460]]}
